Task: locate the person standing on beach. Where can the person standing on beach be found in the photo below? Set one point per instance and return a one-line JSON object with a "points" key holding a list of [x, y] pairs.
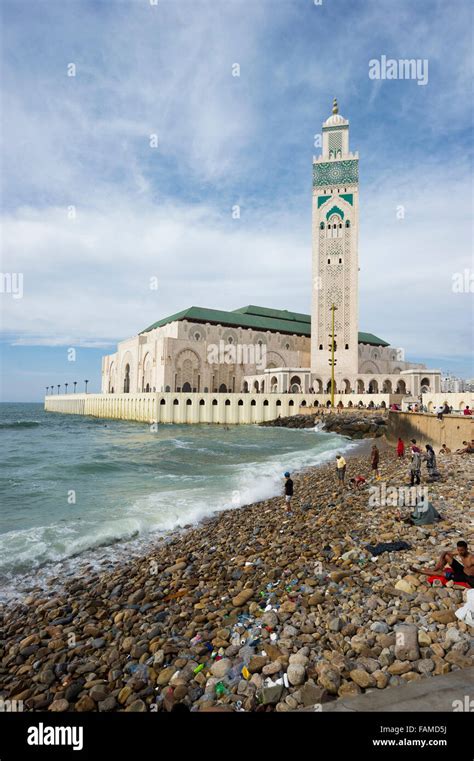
{"points": [[400, 448], [340, 468], [415, 465], [374, 460], [430, 459], [288, 491]]}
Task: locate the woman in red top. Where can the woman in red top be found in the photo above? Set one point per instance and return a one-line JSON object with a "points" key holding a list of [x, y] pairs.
{"points": [[400, 448]]}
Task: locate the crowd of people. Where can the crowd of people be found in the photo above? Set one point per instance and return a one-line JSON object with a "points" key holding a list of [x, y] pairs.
{"points": [[456, 565]]}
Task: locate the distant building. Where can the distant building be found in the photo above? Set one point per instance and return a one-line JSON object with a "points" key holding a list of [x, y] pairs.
{"points": [[452, 385]]}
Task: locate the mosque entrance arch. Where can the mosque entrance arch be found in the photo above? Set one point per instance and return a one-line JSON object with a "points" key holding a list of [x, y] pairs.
{"points": [[126, 380]]}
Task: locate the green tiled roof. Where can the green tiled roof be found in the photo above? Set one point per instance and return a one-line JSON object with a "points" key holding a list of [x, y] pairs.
{"points": [[369, 338], [257, 318]]}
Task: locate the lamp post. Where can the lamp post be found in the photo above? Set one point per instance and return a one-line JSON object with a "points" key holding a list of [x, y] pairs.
{"points": [[47, 389], [86, 382], [59, 386], [332, 361], [66, 385], [75, 384]]}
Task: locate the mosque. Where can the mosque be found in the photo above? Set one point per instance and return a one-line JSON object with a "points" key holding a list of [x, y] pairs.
{"points": [[258, 350]]}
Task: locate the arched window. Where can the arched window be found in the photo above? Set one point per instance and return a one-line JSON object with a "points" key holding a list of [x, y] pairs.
{"points": [[321, 225], [348, 223], [202, 402], [240, 403], [291, 403], [188, 401], [253, 403], [278, 404], [163, 401], [265, 403], [320, 347], [214, 402], [176, 401], [227, 402]]}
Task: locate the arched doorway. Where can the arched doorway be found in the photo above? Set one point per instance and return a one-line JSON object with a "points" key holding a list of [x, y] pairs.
{"points": [[387, 386], [126, 380], [425, 386], [373, 387], [222, 388], [328, 387], [346, 386], [401, 387], [186, 387], [360, 386]]}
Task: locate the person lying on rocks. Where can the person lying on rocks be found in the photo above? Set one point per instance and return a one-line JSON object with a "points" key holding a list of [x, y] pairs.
{"points": [[455, 565], [468, 448]]}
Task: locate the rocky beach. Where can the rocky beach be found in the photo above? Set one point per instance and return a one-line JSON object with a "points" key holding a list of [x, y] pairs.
{"points": [[254, 609]]}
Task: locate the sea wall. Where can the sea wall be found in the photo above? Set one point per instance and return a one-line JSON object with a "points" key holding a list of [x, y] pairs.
{"points": [[426, 428], [169, 407]]}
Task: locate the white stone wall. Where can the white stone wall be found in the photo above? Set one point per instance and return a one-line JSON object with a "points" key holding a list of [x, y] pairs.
{"points": [[179, 408], [171, 356]]}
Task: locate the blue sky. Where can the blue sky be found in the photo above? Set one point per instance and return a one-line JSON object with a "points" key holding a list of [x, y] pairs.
{"points": [[141, 212]]}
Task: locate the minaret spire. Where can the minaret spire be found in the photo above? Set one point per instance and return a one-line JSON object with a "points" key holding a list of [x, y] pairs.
{"points": [[335, 107]]}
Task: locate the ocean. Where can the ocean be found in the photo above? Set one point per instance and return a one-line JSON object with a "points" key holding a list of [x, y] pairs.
{"points": [[78, 493]]}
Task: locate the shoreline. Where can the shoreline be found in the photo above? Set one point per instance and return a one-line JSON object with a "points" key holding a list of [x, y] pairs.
{"points": [[252, 609], [100, 558]]}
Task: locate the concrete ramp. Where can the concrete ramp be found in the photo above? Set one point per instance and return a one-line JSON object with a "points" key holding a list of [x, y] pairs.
{"points": [[433, 694]]}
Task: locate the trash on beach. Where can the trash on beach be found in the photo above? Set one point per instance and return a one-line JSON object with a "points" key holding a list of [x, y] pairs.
{"points": [[198, 668], [378, 549]]}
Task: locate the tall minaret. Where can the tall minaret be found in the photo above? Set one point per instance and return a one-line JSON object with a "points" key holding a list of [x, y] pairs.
{"points": [[335, 251]]}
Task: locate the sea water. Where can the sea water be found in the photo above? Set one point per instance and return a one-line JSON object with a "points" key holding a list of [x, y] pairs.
{"points": [[79, 492]]}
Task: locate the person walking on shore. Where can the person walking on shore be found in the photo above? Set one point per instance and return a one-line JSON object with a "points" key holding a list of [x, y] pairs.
{"points": [[430, 459], [415, 466], [400, 448], [288, 491], [340, 468], [374, 460]]}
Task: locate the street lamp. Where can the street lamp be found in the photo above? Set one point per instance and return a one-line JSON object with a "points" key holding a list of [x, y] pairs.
{"points": [[47, 389], [59, 386], [86, 382], [66, 385], [75, 384]]}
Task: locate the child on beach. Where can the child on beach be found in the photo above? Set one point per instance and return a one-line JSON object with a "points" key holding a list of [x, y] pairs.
{"points": [[288, 491], [400, 448], [357, 482]]}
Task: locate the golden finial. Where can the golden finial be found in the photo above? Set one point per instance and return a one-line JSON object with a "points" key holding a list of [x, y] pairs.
{"points": [[335, 107]]}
